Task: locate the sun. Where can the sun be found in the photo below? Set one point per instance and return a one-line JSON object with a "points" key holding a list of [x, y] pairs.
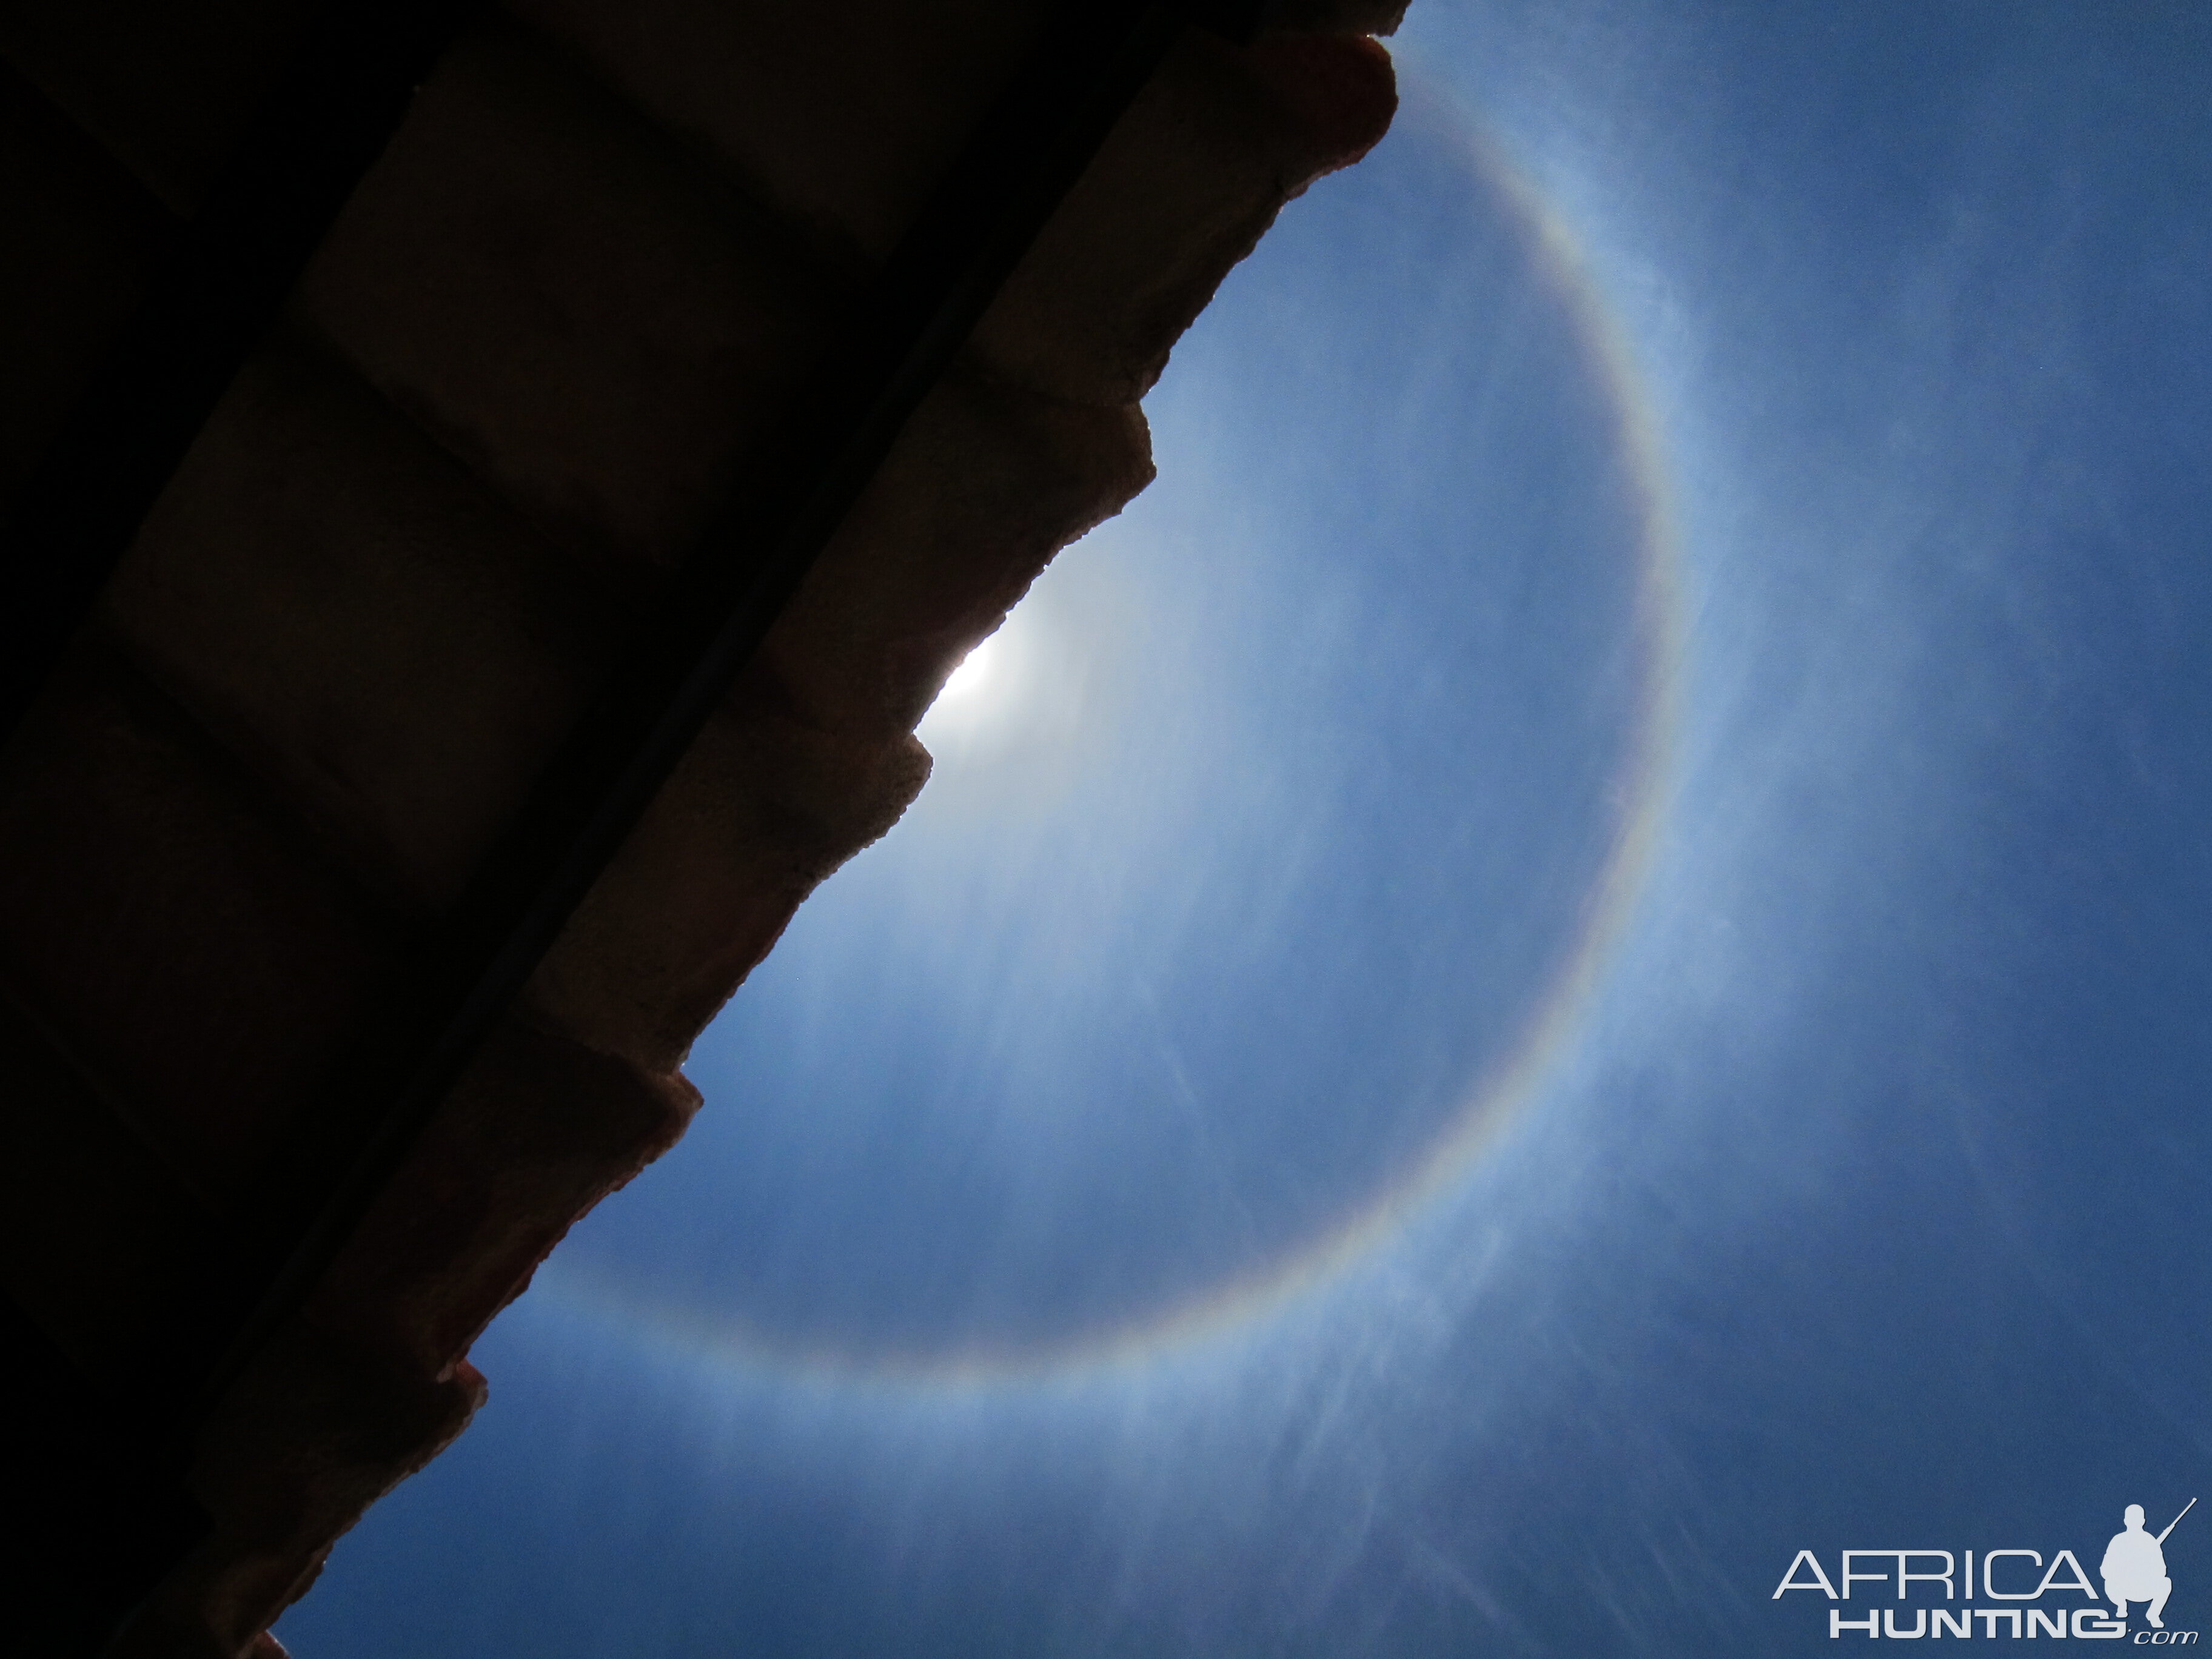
{"points": [[974, 677]]}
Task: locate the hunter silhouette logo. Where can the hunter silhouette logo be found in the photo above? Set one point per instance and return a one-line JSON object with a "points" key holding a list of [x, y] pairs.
{"points": [[2134, 1566], [2133, 1570]]}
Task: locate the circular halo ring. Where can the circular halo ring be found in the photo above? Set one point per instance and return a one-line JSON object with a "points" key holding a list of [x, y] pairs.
{"points": [[1503, 1087]]}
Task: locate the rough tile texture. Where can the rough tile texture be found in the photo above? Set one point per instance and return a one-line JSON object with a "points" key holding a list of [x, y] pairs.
{"points": [[347, 604], [526, 373]]}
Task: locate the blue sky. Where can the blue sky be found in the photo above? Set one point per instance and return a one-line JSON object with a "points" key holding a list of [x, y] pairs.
{"points": [[1086, 1250]]}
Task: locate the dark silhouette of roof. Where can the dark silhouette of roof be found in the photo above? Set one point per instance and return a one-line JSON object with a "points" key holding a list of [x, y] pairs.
{"points": [[477, 553]]}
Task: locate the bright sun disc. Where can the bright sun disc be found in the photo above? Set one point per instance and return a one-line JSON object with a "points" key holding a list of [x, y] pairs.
{"points": [[973, 674]]}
